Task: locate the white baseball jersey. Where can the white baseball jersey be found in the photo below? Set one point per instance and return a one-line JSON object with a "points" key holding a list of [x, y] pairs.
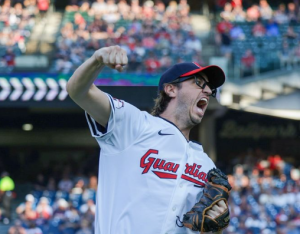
{"points": [[149, 174]]}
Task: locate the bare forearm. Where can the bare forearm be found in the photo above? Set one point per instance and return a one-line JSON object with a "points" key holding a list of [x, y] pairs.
{"points": [[83, 78], [81, 88]]}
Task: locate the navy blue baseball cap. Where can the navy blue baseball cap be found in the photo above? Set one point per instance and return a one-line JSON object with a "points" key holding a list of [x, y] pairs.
{"points": [[215, 74]]}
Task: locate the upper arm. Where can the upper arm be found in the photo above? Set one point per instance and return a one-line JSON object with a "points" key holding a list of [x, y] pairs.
{"points": [[96, 104]]}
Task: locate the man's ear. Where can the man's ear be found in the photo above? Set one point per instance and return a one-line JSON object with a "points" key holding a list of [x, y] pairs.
{"points": [[170, 90]]}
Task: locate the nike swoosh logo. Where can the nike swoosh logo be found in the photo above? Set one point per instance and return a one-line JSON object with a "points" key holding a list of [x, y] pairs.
{"points": [[164, 134]]}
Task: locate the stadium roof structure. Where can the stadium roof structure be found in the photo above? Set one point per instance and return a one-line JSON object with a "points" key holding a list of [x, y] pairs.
{"points": [[276, 94]]}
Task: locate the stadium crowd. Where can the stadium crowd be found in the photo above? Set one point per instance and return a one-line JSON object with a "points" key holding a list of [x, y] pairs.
{"points": [[254, 38], [259, 38], [265, 199], [154, 35], [16, 23], [64, 207]]}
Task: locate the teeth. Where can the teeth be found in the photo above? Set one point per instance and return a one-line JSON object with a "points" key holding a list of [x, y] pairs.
{"points": [[204, 100]]}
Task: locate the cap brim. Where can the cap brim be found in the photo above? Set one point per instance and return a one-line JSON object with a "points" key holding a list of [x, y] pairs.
{"points": [[215, 74]]}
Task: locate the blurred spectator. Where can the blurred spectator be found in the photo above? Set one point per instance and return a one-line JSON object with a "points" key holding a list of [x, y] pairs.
{"points": [[183, 8], [267, 179], [272, 29], [227, 13], [193, 43], [237, 3], [165, 62], [31, 7], [26, 211], [290, 33], [33, 229], [148, 9], [248, 64], [241, 181], [7, 186], [253, 13], [72, 219], [84, 227], [281, 218], [226, 49], [152, 64], [160, 9], [112, 14], [72, 6], [296, 55], [44, 210], [60, 208], [274, 161], [258, 29], [285, 55], [17, 228], [88, 210], [99, 7], [64, 65], [78, 19], [43, 6], [9, 58], [239, 15], [172, 8], [93, 183], [265, 10], [280, 16], [237, 33], [135, 9], [292, 13], [124, 9], [81, 176], [224, 26], [65, 184], [223, 38], [148, 42], [89, 206]]}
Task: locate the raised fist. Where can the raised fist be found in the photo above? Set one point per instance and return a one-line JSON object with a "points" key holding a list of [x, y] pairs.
{"points": [[113, 56]]}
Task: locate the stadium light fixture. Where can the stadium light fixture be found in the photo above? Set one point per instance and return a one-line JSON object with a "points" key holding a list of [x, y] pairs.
{"points": [[27, 127]]}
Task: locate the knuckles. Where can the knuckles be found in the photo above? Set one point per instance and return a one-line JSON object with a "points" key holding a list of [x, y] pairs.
{"points": [[111, 56]]}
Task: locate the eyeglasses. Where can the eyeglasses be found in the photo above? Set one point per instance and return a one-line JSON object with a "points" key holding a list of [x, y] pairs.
{"points": [[200, 81]]}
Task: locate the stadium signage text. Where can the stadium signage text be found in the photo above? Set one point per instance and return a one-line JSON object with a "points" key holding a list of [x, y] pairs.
{"points": [[232, 130]]}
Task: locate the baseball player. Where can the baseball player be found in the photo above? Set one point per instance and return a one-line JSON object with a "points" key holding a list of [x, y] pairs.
{"points": [[150, 173]]}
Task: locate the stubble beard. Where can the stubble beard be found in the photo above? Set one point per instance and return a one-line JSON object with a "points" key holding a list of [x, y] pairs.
{"points": [[184, 113]]}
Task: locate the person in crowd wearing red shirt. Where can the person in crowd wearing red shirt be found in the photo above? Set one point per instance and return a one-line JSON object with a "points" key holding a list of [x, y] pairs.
{"points": [[258, 29], [248, 63], [152, 63]]}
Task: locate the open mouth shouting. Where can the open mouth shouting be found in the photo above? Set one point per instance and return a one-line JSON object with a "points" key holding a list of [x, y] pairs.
{"points": [[202, 103]]}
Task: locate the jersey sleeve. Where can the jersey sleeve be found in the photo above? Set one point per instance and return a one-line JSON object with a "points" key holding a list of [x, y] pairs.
{"points": [[125, 124]]}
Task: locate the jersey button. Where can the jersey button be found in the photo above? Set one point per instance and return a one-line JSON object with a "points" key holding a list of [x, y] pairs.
{"points": [[174, 208], [181, 185]]}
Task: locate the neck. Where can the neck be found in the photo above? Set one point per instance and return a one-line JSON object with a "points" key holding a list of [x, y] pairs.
{"points": [[178, 122]]}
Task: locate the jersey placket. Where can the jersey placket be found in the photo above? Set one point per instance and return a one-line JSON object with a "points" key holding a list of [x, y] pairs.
{"points": [[178, 197]]}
